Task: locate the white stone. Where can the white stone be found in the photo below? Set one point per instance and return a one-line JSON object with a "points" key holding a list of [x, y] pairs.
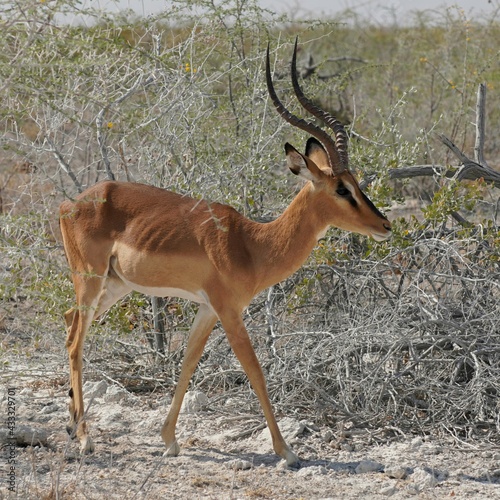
{"points": [[416, 443], [239, 464], [312, 471], [388, 490], [368, 466], [115, 394], [194, 401], [290, 428], [395, 471], [422, 479], [94, 390]]}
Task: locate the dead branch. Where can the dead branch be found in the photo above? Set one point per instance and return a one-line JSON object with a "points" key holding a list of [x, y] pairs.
{"points": [[467, 169]]}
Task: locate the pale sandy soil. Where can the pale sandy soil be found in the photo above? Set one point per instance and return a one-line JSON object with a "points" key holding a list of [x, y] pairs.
{"points": [[129, 463]]}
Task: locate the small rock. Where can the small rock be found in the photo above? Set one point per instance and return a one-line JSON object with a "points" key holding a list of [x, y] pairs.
{"points": [[312, 471], [345, 446], [239, 464], [115, 394], [51, 408], [423, 479], [388, 490], [110, 415], [24, 435], [416, 443], [94, 390], [328, 436], [290, 429], [433, 449], [396, 471], [368, 466], [311, 426], [194, 401], [412, 489]]}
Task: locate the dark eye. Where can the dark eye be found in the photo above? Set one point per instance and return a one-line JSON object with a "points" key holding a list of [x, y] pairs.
{"points": [[343, 191]]}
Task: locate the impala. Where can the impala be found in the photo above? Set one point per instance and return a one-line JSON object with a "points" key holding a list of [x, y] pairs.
{"points": [[121, 236]]}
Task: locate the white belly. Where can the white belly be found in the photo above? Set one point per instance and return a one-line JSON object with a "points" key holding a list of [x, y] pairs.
{"points": [[198, 297], [164, 291]]}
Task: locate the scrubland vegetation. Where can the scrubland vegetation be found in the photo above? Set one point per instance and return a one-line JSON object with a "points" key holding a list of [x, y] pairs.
{"points": [[393, 339]]}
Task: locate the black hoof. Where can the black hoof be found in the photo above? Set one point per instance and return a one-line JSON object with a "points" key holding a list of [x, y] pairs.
{"points": [[71, 431]]}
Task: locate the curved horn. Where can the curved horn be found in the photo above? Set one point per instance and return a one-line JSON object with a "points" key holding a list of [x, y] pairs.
{"points": [[321, 135], [337, 127]]}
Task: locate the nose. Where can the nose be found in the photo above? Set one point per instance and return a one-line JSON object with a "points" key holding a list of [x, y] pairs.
{"points": [[387, 226]]}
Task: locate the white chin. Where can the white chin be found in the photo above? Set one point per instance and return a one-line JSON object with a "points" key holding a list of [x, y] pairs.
{"points": [[380, 237]]}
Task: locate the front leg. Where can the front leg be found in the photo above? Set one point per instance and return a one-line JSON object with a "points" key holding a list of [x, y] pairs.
{"points": [[242, 347], [200, 330]]}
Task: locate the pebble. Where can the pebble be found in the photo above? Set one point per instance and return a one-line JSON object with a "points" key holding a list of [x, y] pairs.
{"points": [[239, 464], [396, 471], [312, 471], [94, 390], [388, 490], [194, 401], [423, 479], [115, 394], [368, 466]]}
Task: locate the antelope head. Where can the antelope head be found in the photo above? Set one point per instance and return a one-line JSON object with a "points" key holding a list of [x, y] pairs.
{"points": [[326, 164]]}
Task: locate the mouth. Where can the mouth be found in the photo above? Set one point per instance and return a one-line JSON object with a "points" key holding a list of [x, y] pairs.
{"points": [[381, 237]]}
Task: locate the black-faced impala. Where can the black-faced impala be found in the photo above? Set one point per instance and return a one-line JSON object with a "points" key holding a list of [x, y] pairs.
{"points": [[122, 236]]}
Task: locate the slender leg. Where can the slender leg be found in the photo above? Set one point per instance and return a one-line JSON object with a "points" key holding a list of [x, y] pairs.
{"points": [[98, 295], [202, 327], [242, 347], [78, 321], [95, 295]]}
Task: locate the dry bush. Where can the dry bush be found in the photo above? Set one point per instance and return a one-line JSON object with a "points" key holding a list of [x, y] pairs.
{"points": [[407, 344], [398, 338]]}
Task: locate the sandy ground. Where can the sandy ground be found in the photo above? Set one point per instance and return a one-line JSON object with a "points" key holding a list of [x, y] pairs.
{"points": [[224, 455]]}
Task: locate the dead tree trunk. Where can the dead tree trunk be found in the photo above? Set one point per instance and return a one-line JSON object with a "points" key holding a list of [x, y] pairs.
{"points": [[467, 169]]}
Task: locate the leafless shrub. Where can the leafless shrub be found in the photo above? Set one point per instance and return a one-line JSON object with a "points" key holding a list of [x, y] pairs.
{"points": [[406, 344]]}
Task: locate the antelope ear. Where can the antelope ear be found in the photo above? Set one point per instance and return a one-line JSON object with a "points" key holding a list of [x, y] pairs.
{"points": [[302, 165], [317, 153], [314, 146]]}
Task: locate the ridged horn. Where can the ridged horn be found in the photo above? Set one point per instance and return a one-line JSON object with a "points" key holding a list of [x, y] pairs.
{"points": [[341, 139], [328, 143]]}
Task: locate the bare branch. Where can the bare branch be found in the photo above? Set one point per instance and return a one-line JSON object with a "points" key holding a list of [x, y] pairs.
{"points": [[467, 170], [101, 139], [480, 125], [463, 159], [63, 163]]}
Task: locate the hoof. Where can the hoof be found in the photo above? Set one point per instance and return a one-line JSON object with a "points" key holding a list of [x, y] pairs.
{"points": [[86, 445], [292, 460], [71, 430], [172, 450]]}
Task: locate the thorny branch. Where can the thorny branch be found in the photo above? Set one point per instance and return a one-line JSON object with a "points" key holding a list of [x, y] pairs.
{"points": [[468, 169]]}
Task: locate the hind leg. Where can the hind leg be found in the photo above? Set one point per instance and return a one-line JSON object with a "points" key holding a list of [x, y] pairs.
{"points": [[95, 294], [78, 320]]}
